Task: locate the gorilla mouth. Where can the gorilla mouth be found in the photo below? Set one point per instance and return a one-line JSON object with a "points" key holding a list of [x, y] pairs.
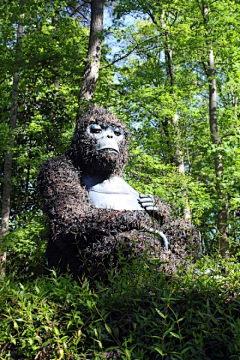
{"points": [[109, 151]]}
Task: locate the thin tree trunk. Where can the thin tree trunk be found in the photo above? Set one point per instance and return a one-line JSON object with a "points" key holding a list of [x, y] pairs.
{"points": [[179, 161], [178, 154], [92, 65], [7, 172], [223, 213], [222, 217]]}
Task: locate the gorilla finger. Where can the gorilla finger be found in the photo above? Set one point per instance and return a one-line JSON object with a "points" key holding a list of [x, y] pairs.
{"points": [[151, 208], [162, 235], [146, 196], [146, 202]]}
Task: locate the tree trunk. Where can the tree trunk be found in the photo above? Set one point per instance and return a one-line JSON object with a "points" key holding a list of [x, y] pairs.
{"points": [[179, 161], [178, 154], [92, 65], [7, 172], [222, 215]]}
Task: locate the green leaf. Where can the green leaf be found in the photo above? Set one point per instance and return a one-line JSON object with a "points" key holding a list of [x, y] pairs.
{"points": [[168, 331], [175, 335], [108, 329], [160, 351], [161, 314]]}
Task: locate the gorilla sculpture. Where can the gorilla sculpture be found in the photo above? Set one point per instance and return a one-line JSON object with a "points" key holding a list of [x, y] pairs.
{"points": [[93, 213]]}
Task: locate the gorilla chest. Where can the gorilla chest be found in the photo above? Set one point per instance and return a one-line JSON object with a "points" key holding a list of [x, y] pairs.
{"points": [[113, 193]]}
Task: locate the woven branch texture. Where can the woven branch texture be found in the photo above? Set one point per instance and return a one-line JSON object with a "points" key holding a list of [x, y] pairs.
{"points": [[89, 240]]}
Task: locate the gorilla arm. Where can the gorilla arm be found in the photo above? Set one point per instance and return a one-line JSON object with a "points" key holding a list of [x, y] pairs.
{"points": [[67, 205]]}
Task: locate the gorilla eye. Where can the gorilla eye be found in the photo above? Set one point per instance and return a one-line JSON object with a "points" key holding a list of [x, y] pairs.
{"points": [[117, 133], [96, 131]]}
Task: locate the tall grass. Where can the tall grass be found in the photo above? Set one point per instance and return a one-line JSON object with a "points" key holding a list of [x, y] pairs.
{"points": [[138, 313]]}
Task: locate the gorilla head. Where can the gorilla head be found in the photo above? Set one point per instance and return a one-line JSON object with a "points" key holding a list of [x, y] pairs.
{"points": [[99, 145]]}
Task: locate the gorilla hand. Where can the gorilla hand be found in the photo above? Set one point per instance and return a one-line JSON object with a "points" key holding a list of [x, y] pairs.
{"points": [[162, 235], [148, 202], [155, 207]]}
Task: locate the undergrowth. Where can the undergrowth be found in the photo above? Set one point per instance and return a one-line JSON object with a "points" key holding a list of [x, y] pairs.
{"points": [[137, 314]]}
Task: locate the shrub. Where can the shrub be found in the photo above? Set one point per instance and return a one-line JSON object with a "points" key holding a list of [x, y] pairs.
{"points": [[138, 314]]}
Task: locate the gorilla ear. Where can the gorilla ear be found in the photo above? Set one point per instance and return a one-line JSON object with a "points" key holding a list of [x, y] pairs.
{"points": [[75, 136]]}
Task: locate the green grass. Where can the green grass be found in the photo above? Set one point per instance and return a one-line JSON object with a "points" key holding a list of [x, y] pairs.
{"points": [[137, 314]]}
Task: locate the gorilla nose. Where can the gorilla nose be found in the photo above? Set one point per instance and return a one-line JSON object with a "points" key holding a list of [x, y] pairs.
{"points": [[107, 142]]}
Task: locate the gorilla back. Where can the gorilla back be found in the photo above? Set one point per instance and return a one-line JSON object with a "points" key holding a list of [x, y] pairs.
{"points": [[93, 213]]}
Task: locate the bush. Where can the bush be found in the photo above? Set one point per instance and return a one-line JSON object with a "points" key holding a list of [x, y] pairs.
{"points": [[138, 314], [26, 246]]}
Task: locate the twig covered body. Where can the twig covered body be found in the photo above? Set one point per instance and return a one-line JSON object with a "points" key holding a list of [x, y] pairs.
{"points": [[93, 213]]}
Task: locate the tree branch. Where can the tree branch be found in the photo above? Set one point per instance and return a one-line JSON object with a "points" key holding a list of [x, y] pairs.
{"points": [[127, 54], [120, 58]]}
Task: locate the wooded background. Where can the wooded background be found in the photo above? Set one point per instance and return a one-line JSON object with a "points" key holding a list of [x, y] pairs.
{"points": [[169, 69]]}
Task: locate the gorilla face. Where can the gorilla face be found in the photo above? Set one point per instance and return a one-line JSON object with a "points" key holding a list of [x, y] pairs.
{"points": [[99, 144], [107, 137]]}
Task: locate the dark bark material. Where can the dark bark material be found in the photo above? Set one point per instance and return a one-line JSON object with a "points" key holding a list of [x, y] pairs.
{"points": [[88, 239]]}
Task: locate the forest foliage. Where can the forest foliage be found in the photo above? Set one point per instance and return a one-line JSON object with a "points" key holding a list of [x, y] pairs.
{"points": [[161, 63], [163, 76], [137, 314]]}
